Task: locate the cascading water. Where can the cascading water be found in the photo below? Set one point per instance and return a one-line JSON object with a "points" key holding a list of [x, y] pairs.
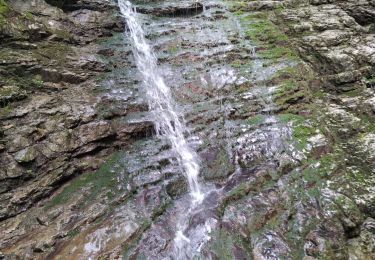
{"points": [[160, 101]]}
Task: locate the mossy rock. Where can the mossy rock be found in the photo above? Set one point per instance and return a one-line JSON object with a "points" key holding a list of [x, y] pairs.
{"points": [[177, 187], [256, 120], [216, 163], [4, 10], [103, 181], [225, 246]]}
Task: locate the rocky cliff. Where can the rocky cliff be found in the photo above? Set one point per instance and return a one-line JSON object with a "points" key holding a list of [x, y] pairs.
{"points": [[279, 99], [56, 121]]}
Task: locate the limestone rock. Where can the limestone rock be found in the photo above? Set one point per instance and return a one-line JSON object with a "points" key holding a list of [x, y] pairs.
{"points": [[93, 131], [26, 155]]}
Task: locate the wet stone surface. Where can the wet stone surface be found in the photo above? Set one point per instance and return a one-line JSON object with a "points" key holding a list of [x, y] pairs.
{"points": [[287, 173]]}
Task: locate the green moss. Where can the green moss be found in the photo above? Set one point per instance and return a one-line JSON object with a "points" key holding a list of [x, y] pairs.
{"points": [[353, 93], [292, 93], [73, 233], [63, 34], [301, 131], [224, 243], [277, 52], [319, 94], [37, 81], [4, 10], [368, 122], [296, 75], [241, 64], [94, 183], [53, 51], [346, 203], [270, 40], [273, 223], [314, 174], [371, 81], [288, 85], [240, 191], [236, 64], [285, 118], [4, 111], [175, 48], [237, 6], [256, 120], [289, 71], [29, 15], [235, 194], [242, 88], [6, 91], [222, 246], [161, 209], [262, 31], [239, 12], [301, 134], [255, 16], [305, 184], [219, 167]]}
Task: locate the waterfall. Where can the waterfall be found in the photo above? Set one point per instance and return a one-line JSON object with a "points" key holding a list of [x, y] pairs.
{"points": [[160, 101]]}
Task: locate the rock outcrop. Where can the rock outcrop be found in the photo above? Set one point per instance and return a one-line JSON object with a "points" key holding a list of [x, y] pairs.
{"points": [[56, 122], [337, 37]]}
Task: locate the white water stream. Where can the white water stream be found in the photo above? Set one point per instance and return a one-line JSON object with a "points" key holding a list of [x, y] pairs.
{"points": [[160, 101], [166, 119]]}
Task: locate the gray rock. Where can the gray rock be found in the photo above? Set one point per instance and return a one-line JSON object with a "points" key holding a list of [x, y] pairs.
{"points": [[93, 131], [26, 155]]}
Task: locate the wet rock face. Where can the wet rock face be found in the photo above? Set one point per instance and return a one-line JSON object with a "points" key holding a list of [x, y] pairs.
{"points": [[51, 112], [286, 147]]}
